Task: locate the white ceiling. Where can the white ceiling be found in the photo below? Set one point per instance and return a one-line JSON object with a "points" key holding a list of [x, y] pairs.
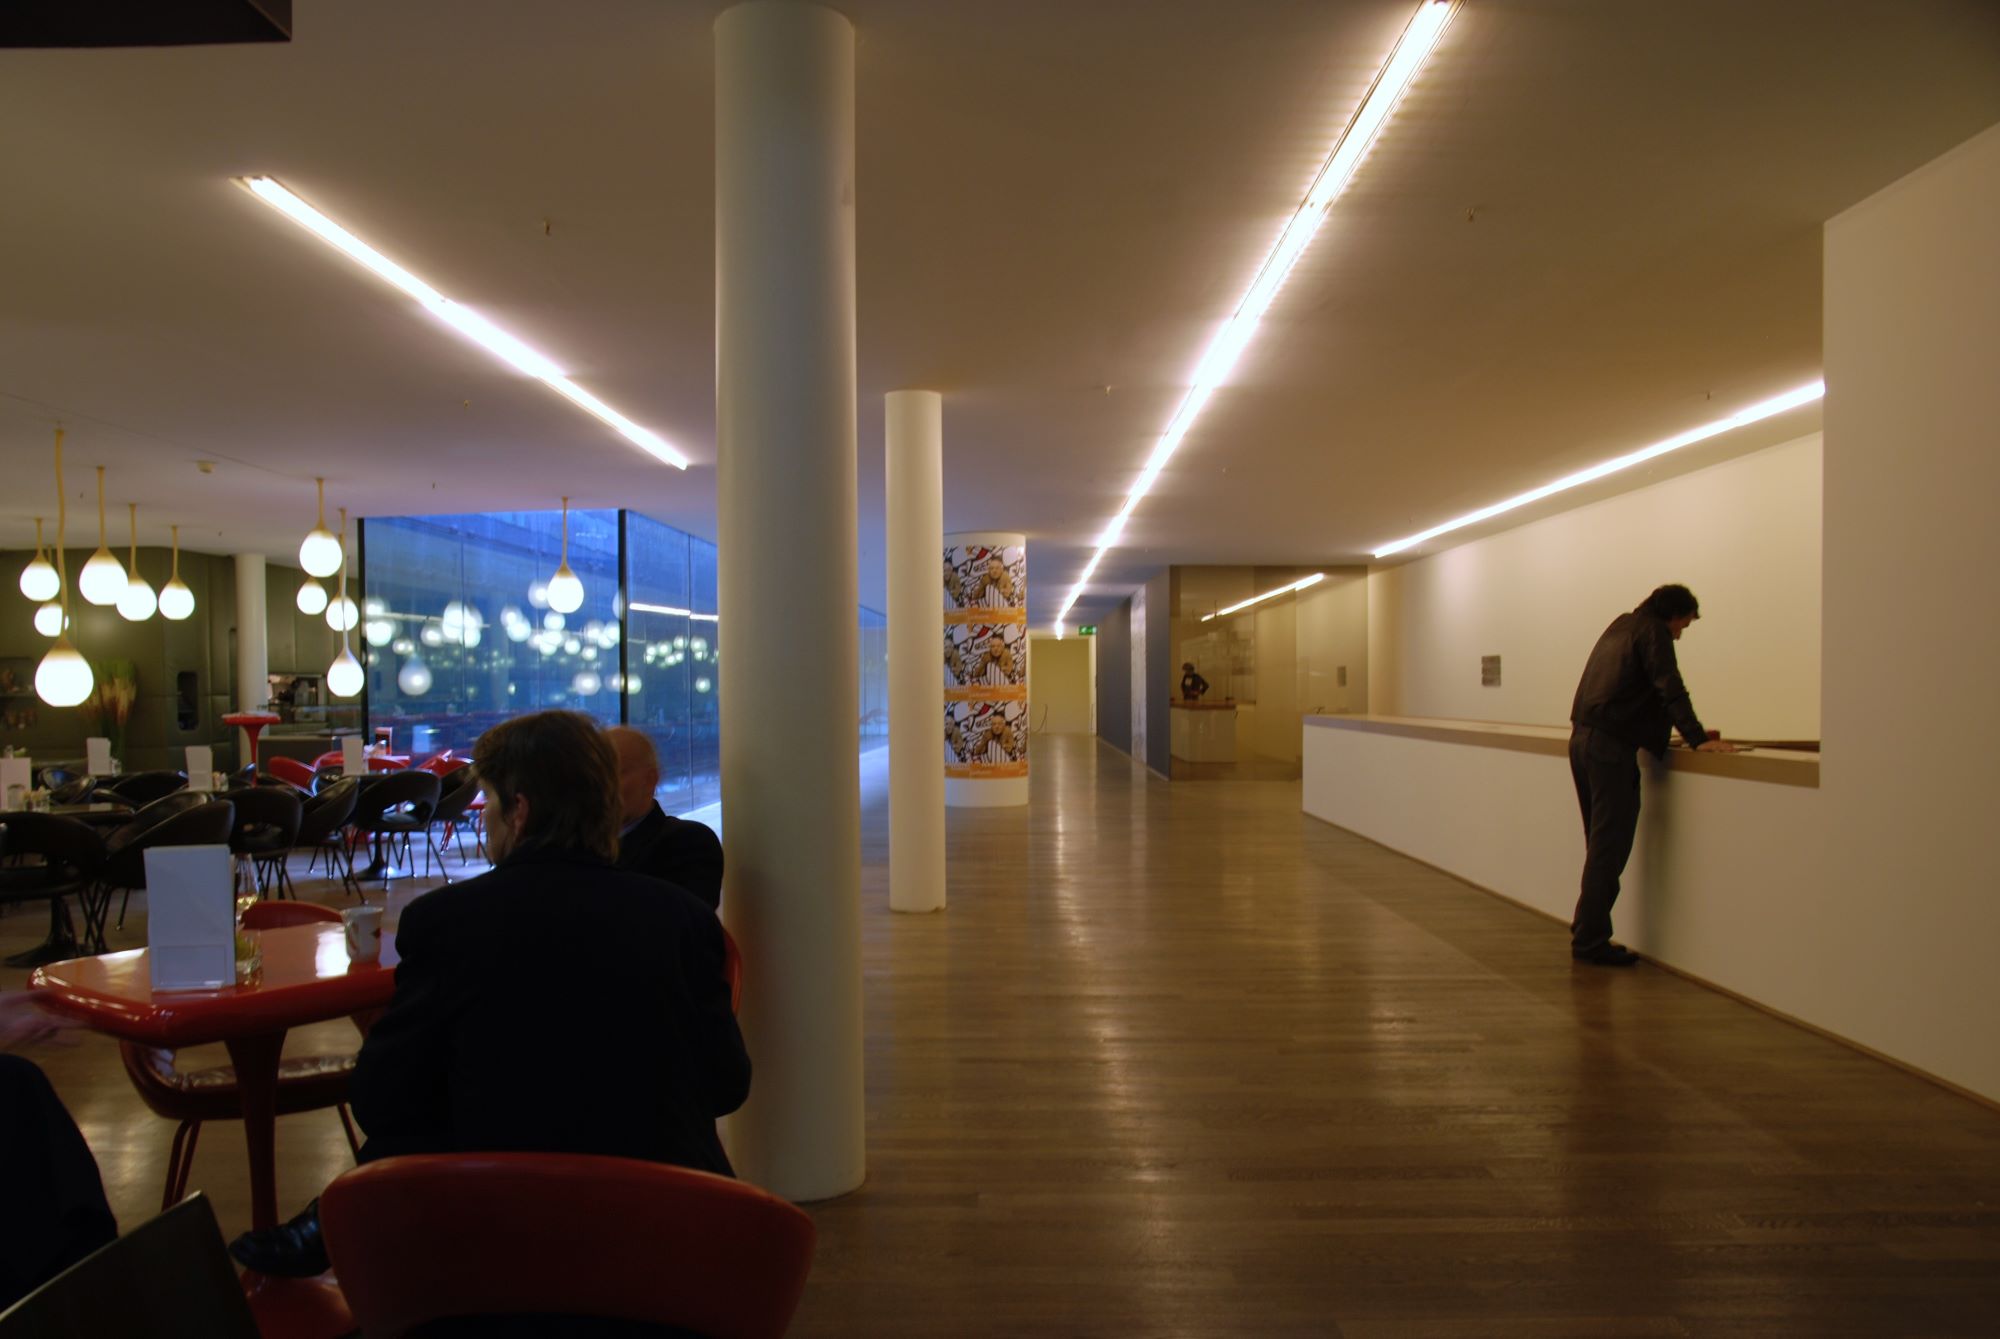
{"points": [[1592, 225]]}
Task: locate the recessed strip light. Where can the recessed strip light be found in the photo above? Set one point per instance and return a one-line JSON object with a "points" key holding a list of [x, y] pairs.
{"points": [[1241, 605], [672, 612], [467, 322], [1763, 409], [1217, 360]]}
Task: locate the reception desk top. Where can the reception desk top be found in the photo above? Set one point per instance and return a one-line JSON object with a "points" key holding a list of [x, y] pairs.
{"points": [[1784, 767], [1179, 705]]}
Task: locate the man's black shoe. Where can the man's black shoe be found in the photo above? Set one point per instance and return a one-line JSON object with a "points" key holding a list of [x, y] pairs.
{"points": [[1606, 955], [293, 1250]]}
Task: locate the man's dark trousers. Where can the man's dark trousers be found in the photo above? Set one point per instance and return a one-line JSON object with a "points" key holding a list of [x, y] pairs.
{"points": [[1606, 771]]}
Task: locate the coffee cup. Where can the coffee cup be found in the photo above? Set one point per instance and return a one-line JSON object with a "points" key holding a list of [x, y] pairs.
{"points": [[364, 933]]}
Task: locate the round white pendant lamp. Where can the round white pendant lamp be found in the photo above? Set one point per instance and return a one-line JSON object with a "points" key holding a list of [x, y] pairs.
{"points": [[176, 600], [342, 614], [320, 552], [344, 677], [50, 619], [415, 676], [63, 679], [312, 597], [39, 581], [138, 602], [565, 589], [378, 631], [102, 579]]}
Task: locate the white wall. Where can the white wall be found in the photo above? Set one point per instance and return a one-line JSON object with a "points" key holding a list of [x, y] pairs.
{"points": [[1744, 534], [1333, 636], [1905, 925], [1060, 685]]}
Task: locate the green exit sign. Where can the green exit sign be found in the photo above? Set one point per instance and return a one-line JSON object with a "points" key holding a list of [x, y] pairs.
{"points": [[1086, 630]]}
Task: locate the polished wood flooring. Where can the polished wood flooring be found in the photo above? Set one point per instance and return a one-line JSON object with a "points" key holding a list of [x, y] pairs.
{"points": [[1181, 1061]]}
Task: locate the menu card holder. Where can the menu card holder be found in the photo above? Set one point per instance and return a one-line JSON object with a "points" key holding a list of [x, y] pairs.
{"points": [[200, 767], [190, 918], [352, 760], [16, 772], [97, 753]]}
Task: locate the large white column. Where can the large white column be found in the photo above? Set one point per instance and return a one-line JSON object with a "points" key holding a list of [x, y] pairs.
{"points": [[784, 400], [913, 464], [253, 639]]}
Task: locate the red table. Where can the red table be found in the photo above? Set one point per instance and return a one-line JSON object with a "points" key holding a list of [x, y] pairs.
{"points": [[306, 979], [251, 723]]}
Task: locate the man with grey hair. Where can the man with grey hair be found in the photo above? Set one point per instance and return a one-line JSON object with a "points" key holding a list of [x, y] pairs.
{"points": [[650, 840]]}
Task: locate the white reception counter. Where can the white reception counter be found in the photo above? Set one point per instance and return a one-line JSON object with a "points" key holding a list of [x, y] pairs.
{"points": [[1719, 884]]}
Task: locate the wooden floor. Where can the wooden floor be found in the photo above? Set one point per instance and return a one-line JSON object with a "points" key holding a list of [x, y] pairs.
{"points": [[1180, 1061]]}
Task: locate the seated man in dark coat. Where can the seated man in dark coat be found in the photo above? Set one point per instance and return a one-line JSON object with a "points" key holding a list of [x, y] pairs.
{"points": [[652, 841], [484, 1048]]}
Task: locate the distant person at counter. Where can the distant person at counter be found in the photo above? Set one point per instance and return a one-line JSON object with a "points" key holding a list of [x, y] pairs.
{"points": [[1192, 684], [1631, 697], [652, 841]]}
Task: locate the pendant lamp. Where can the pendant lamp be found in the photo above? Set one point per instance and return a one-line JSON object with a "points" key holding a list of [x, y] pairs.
{"points": [[138, 602], [344, 677], [565, 590], [63, 679], [102, 579], [176, 600], [39, 581], [50, 619], [312, 597], [320, 552]]}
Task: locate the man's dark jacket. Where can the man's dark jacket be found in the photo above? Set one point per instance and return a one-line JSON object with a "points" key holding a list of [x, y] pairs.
{"points": [[1632, 689], [555, 1004], [679, 851]]}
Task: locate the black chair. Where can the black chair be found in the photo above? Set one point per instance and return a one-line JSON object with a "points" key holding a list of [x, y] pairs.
{"points": [[456, 792], [69, 790], [205, 824], [142, 788], [70, 854], [166, 1278], [322, 828], [159, 811], [393, 807], [324, 777], [266, 829]]}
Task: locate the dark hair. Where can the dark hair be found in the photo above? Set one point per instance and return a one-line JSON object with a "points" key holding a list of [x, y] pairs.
{"points": [[566, 767], [1671, 602]]}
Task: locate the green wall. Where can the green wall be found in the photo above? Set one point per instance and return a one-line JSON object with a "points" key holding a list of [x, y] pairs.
{"points": [[159, 651]]}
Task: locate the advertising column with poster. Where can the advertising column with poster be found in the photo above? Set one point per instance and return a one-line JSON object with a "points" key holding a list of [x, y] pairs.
{"points": [[985, 669]]}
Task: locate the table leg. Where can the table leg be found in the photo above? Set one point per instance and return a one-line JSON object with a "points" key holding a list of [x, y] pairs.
{"points": [[256, 1061]]}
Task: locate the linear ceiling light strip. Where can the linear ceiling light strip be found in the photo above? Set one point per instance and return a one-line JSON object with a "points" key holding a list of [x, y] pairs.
{"points": [[1417, 42], [1241, 605], [467, 322], [1763, 409]]}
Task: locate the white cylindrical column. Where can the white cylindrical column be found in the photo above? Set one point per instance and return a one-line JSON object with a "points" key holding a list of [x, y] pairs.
{"points": [[253, 643], [985, 669], [913, 463], [790, 677]]}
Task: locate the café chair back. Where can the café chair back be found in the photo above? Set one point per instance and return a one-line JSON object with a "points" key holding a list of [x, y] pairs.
{"points": [[423, 1238], [264, 832], [70, 855], [142, 788], [68, 789], [165, 1279], [202, 823], [289, 769], [732, 970], [321, 826], [397, 807], [192, 1097], [457, 788]]}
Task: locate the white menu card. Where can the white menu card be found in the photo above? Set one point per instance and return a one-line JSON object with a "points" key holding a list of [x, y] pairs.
{"points": [[97, 753], [200, 767], [16, 772], [190, 917], [352, 760]]}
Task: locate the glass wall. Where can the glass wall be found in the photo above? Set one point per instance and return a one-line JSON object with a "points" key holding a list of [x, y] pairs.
{"points": [[458, 634]]}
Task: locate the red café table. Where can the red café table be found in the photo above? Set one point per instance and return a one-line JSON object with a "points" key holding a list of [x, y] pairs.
{"points": [[306, 978], [252, 723]]}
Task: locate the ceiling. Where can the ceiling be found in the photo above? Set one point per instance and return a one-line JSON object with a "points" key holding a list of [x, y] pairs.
{"points": [[1591, 225]]}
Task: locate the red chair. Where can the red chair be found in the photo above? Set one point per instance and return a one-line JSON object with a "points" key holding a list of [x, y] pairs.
{"points": [[292, 770], [444, 764], [732, 969], [192, 1097], [419, 1239]]}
